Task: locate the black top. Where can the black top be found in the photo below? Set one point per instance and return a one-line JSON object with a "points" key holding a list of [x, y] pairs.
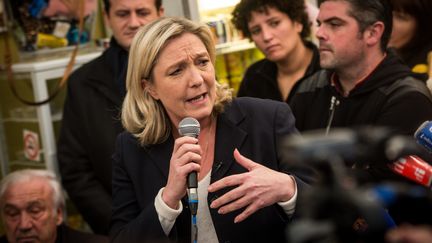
{"points": [[260, 79]]}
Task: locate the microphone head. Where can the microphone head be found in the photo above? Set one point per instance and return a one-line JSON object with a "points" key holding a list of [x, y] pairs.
{"points": [[189, 127]]}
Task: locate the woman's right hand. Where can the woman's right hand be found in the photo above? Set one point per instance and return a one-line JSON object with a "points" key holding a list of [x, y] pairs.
{"points": [[185, 158]]}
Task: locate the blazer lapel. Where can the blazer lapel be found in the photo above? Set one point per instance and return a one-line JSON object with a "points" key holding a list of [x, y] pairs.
{"points": [[229, 136], [162, 152]]}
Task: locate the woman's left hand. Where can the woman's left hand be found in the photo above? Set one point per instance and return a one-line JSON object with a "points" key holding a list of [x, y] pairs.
{"points": [[257, 188]]}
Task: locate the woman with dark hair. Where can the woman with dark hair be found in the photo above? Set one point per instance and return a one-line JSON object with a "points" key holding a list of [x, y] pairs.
{"points": [[411, 35], [281, 30]]}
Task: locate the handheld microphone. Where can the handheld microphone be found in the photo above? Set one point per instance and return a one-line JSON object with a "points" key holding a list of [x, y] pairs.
{"points": [[413, 168], [423, 135], [190, 127]]}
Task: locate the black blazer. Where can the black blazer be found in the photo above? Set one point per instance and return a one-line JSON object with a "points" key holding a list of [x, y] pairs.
{"points": [[254, 126]]}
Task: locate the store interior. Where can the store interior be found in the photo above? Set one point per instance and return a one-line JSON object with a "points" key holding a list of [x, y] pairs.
{"points": [[33, 64]]}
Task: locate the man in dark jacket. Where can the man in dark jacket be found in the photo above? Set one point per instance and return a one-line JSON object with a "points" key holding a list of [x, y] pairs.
{"points": [[363, 83], [31, 209], [91, 112]]}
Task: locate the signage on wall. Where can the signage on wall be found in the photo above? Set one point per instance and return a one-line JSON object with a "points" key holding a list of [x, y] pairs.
{"points": [[31, 145]]}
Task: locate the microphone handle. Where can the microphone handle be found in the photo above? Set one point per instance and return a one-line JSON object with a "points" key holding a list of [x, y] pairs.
{"points": [[192, 185], [192, 180]]}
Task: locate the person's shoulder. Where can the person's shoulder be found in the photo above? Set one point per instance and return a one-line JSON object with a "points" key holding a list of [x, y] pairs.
{"points": [[89, 66], [259, 111], [261, 66], [251, 104], [88, 69], [3, 239], [259, 63], [407, 85], [72, 235], [126, 137], [317, 80]]}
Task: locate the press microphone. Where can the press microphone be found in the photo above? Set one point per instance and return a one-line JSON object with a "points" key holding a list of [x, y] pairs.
{"points": [[413, 168], [190, 127], [423, 135]]}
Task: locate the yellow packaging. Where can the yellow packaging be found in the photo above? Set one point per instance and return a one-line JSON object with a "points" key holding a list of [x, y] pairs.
{"points": [[235, 64], [50, 41], [221, 68], [235, 84]]}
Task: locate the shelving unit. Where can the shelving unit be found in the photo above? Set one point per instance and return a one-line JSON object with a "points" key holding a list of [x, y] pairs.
{"points": [[40, 70]]}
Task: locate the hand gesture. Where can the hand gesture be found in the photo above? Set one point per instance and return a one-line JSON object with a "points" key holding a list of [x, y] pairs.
{"points": [[257, 188]]}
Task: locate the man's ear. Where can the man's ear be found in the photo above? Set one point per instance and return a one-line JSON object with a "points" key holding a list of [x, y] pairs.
{"points": [[148, 87], [59, 216], [374, 33]]}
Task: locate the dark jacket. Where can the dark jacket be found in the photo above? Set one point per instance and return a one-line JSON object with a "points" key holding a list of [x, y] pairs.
{"points": [[373, 102], [253, 126], [260, 79], [66, 234], [91, 123], [387, 97]]}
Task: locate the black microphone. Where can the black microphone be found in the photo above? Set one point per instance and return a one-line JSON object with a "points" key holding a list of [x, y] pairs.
{"points": [[190, 127], [362, 145]]}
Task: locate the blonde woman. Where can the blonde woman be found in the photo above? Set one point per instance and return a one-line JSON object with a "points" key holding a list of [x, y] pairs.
{"points": [[243, 196]]}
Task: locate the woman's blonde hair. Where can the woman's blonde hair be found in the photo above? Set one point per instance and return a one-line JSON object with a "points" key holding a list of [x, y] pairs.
{"points": [[143, 116]]}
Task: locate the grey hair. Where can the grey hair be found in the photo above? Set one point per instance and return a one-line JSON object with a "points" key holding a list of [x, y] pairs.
{"points": [[29, 174]]}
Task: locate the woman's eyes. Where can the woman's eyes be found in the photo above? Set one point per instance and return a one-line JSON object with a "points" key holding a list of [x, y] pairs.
{"points": [[200, 62], [175, 72], [203, 62], [274, 23]]}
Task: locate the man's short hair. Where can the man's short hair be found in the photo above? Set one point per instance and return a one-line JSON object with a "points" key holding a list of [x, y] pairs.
{"points": [[368, 12]]}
